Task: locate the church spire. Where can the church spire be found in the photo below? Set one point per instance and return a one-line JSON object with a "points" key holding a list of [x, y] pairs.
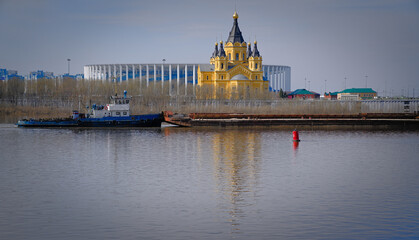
{"points": [[215, 53], [255, 50], [235, 33], [249, 51], [221, 52]]}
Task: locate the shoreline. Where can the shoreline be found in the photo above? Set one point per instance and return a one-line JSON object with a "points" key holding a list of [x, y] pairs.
{"points": [[10, 114]]}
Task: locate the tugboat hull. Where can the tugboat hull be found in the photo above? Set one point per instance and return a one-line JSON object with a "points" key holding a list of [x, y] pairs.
{"points": [[146, 120]]}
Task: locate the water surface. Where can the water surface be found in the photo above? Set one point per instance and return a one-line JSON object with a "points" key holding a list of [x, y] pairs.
{"points": [[208, 183]]}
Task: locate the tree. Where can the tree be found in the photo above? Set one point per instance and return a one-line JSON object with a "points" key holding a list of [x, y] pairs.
{"points": [[281, 93], [2, 88], [15, 88]]}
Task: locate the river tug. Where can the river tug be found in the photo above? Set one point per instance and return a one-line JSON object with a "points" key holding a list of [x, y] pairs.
{"points": [[115, 114]]}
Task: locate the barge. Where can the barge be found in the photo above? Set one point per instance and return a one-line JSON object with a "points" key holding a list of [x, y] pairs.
{"points": [[115, 114], [404, 120]]}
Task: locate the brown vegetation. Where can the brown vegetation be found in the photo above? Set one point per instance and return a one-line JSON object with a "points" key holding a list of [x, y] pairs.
{"points": [[58, 97]]}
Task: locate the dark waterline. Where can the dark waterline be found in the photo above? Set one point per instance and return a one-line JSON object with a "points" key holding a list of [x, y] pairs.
{"points": [[208, 183]]}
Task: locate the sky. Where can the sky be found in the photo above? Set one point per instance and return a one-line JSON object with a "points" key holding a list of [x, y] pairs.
{"points": [[373, 43]]}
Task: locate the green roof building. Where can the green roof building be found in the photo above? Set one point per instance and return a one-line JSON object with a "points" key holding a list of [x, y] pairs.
{"points": [[304, 94], [361, 93]]}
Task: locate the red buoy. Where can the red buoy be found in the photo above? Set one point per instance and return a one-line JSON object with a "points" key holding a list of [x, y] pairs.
{"points": [[295, 136]]}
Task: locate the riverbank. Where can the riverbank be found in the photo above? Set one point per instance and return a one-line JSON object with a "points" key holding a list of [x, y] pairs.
{"points": [[11, 114], [11, 111]]}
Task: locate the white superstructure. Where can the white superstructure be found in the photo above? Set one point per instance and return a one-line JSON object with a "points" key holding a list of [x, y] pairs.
{"points": [[119, 107]]}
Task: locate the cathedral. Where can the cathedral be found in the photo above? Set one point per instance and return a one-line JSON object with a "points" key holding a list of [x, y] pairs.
{"points": [[235, 70]]}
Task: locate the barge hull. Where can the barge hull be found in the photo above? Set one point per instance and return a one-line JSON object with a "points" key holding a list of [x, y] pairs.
{"points": [[409, 123]]}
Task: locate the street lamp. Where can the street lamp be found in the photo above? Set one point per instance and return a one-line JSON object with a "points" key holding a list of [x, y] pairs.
{"points": [[68, 60], [325, 85], [366, 81]]}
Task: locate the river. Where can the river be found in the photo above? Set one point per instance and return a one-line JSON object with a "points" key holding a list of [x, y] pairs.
{"points": [[208, 183]]}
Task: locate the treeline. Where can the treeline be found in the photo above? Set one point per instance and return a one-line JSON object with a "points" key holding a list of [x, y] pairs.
{"points": [[67, 87], [67, 91], [58, 97]]}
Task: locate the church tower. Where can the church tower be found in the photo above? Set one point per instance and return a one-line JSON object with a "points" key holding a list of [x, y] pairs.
{"points": [[255, 61], [235, 45], [214, 54], [221, 59], [235, 71]]}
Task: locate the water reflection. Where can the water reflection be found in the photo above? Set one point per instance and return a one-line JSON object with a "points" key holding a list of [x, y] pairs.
{"points": [[295, 144], [236, 164], [236, 156]]}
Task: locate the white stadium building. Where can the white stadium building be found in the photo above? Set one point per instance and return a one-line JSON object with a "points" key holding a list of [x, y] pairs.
{"points": [[279, 77]]}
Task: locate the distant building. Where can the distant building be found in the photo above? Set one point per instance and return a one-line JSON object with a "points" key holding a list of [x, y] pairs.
{"points": [[12, 72], [75, 77], [3, 74], [331, 95], [303, 94], [40, 74], [35, 75], [349, 97], [8, 74], [359, 93]]}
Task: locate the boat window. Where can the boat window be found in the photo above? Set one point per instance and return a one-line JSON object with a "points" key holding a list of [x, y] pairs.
{"points": [[118, 113], [125, 113]]}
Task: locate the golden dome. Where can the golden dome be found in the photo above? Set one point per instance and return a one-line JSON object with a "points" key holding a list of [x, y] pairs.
{"points": [[235, 15], [256, 42]]}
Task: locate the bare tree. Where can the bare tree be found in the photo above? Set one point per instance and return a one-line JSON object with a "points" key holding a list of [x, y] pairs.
{"points": [[15, 89]]}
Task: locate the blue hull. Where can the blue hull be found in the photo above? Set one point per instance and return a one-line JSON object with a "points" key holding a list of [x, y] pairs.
{"points": [[146, 120]]}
